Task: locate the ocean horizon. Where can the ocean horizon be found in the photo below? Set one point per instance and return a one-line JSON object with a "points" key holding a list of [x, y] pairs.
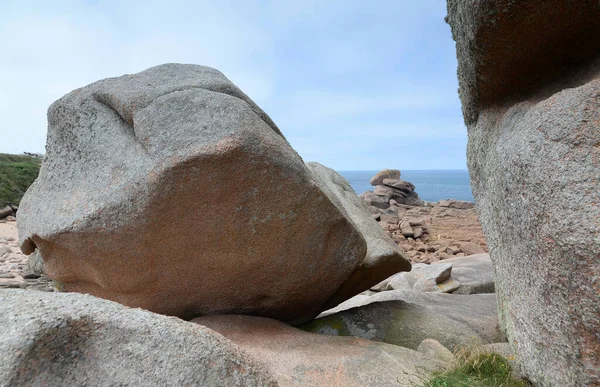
{"points": [[430, 185]]}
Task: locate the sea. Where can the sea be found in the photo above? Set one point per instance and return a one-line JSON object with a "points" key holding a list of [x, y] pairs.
{"points": [[431, 186]]}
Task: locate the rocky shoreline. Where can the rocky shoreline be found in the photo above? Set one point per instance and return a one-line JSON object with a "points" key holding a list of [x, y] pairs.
{"points": [[427, 231]]}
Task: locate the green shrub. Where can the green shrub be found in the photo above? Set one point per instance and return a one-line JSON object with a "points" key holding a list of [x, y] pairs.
{"points": [[17, 173]]}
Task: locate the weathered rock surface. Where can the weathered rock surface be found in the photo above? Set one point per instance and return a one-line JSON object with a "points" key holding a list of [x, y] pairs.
{"points": [[383, 257], [385, 174], [458, 204], [406, 318], [299, 358], [531, 102], [390, 189], [434, 349], [422, 277], [60, 339], [474, 273], [168, 189]]}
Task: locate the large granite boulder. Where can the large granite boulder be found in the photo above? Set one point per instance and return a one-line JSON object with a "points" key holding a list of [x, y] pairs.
{"points": [[407, 317], [172, 191], [298, 358], [50, 339], [383, 255], [529, 74]]}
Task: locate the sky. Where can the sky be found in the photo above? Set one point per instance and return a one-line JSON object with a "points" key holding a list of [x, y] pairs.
{"points": [[353, 85]]}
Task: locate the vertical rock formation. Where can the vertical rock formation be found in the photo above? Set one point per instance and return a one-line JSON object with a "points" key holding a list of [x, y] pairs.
{"points": [[529, 74]]}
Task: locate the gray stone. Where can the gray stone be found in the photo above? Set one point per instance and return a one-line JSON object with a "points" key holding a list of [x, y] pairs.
{"points": [[470, 248], [383, 257], [458, 204], [399, 184], [373, 200], [122, 150], [35, 262], [406, 229], [422, 277], [298, 358], [406, 318], [385, 174], [434, 349], [532, 108], [30, 274], [474, 272], [61, 339], [6, 211], [403, 197]]}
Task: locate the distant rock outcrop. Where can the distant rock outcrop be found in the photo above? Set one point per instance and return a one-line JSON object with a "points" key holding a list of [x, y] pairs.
{"points": [[529, 74], [172, 191], [388, 187]]}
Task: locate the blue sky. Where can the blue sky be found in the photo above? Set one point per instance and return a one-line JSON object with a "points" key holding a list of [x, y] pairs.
{"points": [[354, 85]]}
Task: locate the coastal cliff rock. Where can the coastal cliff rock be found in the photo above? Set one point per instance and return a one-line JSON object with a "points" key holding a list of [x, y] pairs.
{"points": [[172, 191], [54, 339], [529, 74]]}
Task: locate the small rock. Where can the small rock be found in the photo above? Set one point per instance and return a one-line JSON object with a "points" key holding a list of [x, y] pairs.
{"points": [[471, 248], [405, 228], [453, 250], [11, 218], [30, 274], [417, 232], [434, 349], [7, 275], [458, 204], [406, 247]]}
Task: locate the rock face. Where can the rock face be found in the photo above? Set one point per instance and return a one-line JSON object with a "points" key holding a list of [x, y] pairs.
{"points": [[298, 358], [383, 258], [388, 187], [172, 191], [465, 275], [531, 102], [76, 340], [385, 174], [407, 317], [474, 273]]}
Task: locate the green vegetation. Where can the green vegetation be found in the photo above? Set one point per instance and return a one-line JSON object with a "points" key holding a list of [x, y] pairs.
{"points": [[474, 368], [17, 173]]}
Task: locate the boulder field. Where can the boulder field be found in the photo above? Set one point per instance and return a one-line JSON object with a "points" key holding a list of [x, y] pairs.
{"points": [[529, 75], [172, 191]]}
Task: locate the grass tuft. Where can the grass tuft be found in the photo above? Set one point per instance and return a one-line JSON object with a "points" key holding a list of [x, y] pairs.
{"points": [[475, 368]]}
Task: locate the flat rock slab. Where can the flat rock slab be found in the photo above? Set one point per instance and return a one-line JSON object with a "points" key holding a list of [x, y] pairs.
{"points": [[299, 358], [474, 273], [406, 318], [67, 339]]}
